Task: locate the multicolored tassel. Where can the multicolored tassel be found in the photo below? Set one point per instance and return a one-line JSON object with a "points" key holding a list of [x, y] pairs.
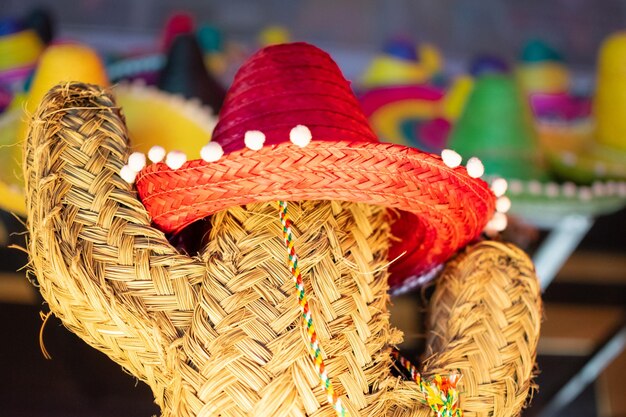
{"points": [[441, 393]]}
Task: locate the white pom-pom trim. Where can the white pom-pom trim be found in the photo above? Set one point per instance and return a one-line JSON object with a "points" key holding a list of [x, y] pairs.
{"points": [[535, 187], [128, 174], [156, 154], [569, 189], [503, 204], [211, 152], [497, 223], [475, 167], [600, 188], [585, 194], [137, 161], [254, 139], [300, 136], [451, 158], [552, 189], [175, 159], [499, 186]]}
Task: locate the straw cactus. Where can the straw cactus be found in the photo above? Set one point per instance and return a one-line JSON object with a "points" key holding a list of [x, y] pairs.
{"points": [[220, 333]]}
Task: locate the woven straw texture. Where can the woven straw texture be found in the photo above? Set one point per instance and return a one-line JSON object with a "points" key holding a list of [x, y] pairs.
{"points": [[484, 320], [220, 333]]}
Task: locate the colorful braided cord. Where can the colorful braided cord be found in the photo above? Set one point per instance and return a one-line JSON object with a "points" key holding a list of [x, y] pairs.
{"points": [[441, 393], [314, 348]]}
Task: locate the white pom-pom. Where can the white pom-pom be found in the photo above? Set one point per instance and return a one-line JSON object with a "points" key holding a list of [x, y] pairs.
{"points": [[503, 204], [569, 189], [611, 187], [497, 223], [137, 161], [600, 188], [451, 158], [300, 135], [585, 194], [175, 159], [500, 221], [128, 174], [475, 167], [254, 139], [552, 189], [211, 152], [499, 186], [621, 189], [534, 187], [156, 154]]}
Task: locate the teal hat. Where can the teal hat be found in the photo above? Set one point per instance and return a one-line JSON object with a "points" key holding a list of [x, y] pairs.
{"points": [[210, 38], [537, 50]]}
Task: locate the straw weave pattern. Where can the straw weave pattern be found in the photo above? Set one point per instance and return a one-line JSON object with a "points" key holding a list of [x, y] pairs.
{"points": [[104, 271], [220, 333], [326, 170], [484, 320]]}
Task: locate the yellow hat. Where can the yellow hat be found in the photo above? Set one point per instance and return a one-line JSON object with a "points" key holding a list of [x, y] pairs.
{"points": [[152, 116], [596, 148]]}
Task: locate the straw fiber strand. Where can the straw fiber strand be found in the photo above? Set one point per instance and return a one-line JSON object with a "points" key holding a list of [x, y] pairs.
{"points": [[484, 320]]}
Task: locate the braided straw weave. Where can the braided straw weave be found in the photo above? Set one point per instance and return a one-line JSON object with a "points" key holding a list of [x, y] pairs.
{"points": [[220, 333], [283, 86], [484, 321]]}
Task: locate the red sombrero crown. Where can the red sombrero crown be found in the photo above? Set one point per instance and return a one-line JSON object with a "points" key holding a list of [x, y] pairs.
{"points": [[291, 129]]}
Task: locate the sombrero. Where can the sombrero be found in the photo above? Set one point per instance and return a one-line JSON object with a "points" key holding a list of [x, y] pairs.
{"points": [[152, 63], [211, 41], [57, 63], [595, 147], [418, 115], [146, 63], [291, 129], [185, 74], [487, 63], [150, 113], [541, 69], [20, 48], [497, 126], [403, 62], [273, 35], [41, 20]]}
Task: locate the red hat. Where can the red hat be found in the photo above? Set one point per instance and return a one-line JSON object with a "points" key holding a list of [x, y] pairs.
{"points": [[292, 129]]}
